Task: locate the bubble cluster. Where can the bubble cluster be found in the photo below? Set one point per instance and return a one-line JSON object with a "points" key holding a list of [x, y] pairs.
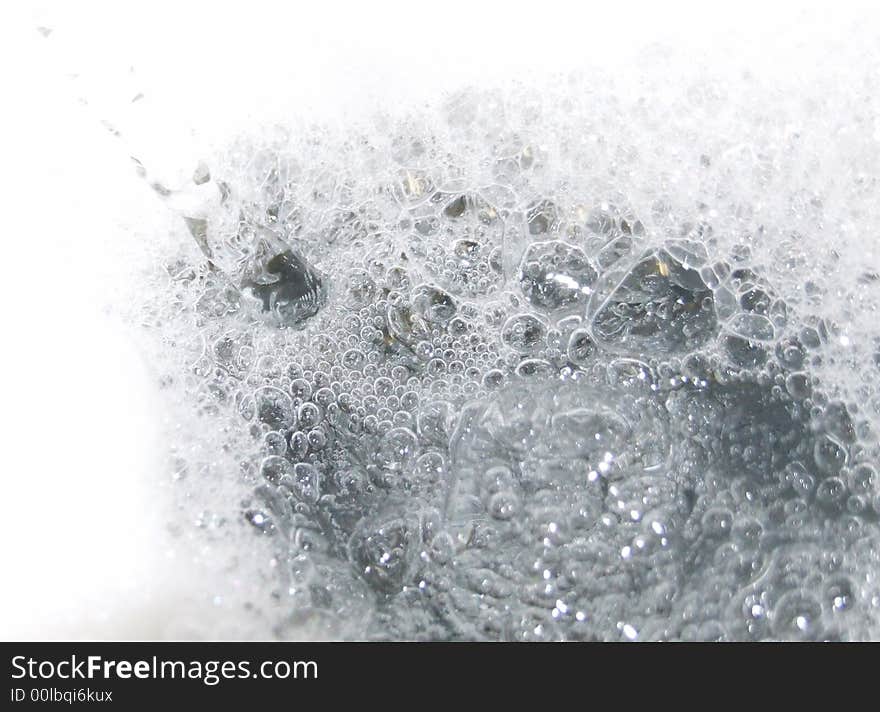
{"points": [[531, 374]]}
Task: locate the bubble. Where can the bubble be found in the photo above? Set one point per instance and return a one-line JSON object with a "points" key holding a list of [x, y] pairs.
{"points": [[581, 348], [862, 479], [306, 481], [541, 217], [837, 422], [503, 506], [535, 368], [829, 454], [790, 353], [299, 445], [275, 468], [840, 594], [802, 481], [301, 389], [630, 372], [309, 415], [442, 548], [798, 616], [752, 327], [609, 219], [273, 407], [433, 304], [383, 551], [798, 385], [493, 379], [747, 532], [409, 400], [353, 359], [431, 468], [275, 443], [289, 287], [317, 439], [325, 396], [717, 522], [744, 353], [660, 305], [524, 333], [556, 275], [435, 421], [456, 207], [397, 448], [830, 491], [406, 326]]}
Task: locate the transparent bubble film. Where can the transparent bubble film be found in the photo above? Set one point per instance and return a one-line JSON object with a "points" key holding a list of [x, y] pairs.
{"points": [[571, 362]]}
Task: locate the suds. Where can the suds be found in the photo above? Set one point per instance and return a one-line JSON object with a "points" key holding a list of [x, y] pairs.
{"points": [[575, 363]]}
